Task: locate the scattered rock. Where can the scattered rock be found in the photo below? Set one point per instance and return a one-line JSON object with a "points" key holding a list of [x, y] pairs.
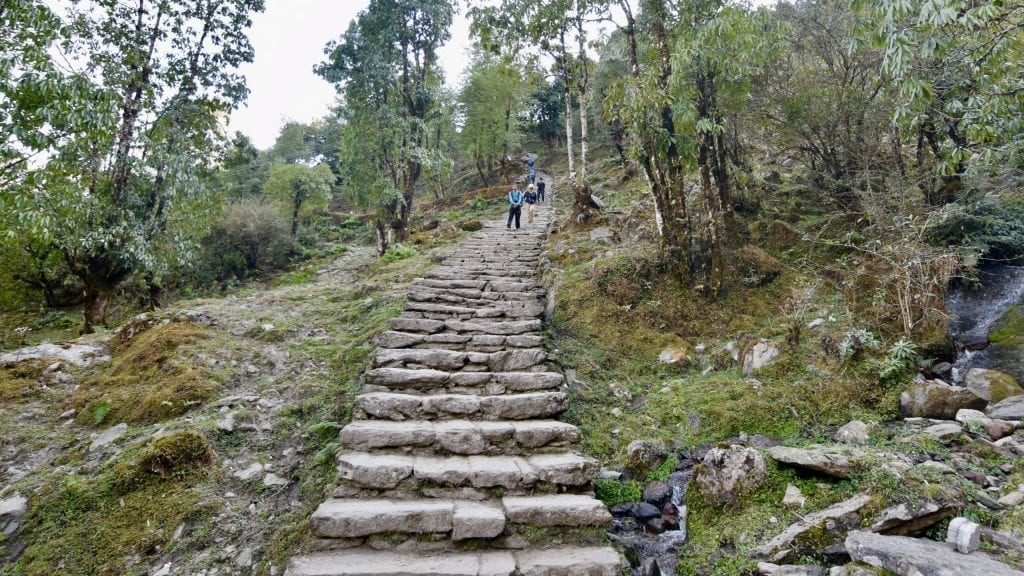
{"points": [[999, 429], [834, 460], [815, 323], [164, 570], [725, 473], [1015, 498], [227, 423], [936, 399], [602, 235], [675, 355], [794, 497], [244, 558], [991, 385], [903, 519], [471, 225], [1011, 408], [657, 493], [769, 569], [272, 479], [108, 436], [758, 267], [762, 354], [903, 555], [832, 520], [642, 456], [945, 431], [249, 473], [12, 511], [855, 432]]}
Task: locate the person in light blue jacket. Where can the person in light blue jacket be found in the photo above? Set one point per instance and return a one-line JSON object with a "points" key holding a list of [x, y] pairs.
{"points": [[515, 207]]}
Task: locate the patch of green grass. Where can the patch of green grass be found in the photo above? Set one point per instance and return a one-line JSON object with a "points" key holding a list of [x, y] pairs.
{"points": [[613, 492], [20, 380], [118, 521], [396, 253], [152, 377]]}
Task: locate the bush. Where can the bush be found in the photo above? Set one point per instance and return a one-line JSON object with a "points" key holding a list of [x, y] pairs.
{"points": [[992, 227], [251, 236]]}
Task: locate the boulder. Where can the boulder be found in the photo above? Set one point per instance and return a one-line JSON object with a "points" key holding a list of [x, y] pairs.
{"points": [[602, 235], [964, 535], [944, 431], [657, 493], [642, 456], [915, 556], [1011, 408], [758, 267], [471, 225], [910, 518], [794, 497], [675, 355], [834, 460], [727, 472], [855, 432], [769, 569], [936, 399], [805, 534], [762, 354], [12, 511], [991, 385]]}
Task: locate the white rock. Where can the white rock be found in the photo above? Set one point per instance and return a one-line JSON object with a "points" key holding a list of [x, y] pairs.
{"points": [[108, 436], [762, 354], [965, 416], [227, 423], [964, 534], [794, 497], [815, 323], [163, 570], [244, 558], [855, 432]]}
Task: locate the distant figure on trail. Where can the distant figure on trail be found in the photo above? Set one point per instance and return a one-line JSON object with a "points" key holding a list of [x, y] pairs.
{"points": [[533, 176], [529, 162], [515, 207], [530, 199], [540, 190]]}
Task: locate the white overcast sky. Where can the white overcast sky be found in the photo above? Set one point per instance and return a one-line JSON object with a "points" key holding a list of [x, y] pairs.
{"points": [[289, 39]]}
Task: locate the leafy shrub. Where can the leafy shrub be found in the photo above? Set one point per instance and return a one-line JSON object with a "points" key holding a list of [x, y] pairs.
{"points": [[992, 227], [396, 253], [898, 362], [251, 236], [613, 492], [855, 342]]}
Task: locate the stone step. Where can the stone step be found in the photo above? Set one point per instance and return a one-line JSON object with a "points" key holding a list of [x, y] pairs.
{"points": [[436, 381], [387, 471], [497, 310], [463, 519], [490, 285], [459, 519], [455, 341], [497, 328], [459, 436], [487, 276], [562, 561], [523, 359], [396, 406], [427, 293], [533, 303]]}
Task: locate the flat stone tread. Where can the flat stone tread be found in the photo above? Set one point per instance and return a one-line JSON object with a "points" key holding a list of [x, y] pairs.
{"points": [[398, 377], [388, 470], [405, 406], [375, 434], [556, 510], [353, 518], [561, 561]]}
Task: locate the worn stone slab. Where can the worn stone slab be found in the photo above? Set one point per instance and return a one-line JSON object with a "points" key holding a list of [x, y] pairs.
{"points": [[404, 378], [917, 556], [523, 406], [477, 520], [556, 510], [567, 468], [375, 470], [420, 325], [513, 360], [508, 328], [364, 562], [343, 518], [370, 434], [835, 460], [434, 359], [568, 562], [778, 547]]}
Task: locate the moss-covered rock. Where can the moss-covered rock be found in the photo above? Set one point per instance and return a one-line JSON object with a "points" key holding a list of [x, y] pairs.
{"points": [[757, 267], [992, 385]]}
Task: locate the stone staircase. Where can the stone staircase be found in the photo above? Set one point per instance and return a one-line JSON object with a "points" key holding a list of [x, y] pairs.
{"points": [[454, 463]]}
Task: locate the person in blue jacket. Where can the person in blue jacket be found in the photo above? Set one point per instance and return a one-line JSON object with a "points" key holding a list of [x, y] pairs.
{"points": [[515, 206], [530, 198]]}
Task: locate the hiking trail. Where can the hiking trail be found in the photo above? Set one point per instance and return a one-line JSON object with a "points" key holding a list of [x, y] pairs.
{"points": [[454, 463]]}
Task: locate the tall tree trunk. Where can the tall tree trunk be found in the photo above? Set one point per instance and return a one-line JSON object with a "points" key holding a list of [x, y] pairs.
{"points": [[581, 193], [382, 236], [97, 301]]}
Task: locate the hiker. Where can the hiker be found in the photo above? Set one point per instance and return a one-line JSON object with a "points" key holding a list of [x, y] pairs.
{"points": [[533, 176], [540, 189], [515, 206], [530, 199]]}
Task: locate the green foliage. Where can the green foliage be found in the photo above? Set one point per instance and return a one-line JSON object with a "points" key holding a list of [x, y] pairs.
{"points": [[300, 190], [613, 492], [251, 236], [990, 227], [855, 342], [396, 253], [898, 362], [661, 473]]}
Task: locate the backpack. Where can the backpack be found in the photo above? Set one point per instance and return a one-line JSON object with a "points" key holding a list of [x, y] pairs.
{"points": [[529, 162], [515, 197]]}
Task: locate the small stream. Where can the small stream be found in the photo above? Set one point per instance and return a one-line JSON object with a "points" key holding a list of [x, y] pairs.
{"points": [[652, 552], [973, 313]]}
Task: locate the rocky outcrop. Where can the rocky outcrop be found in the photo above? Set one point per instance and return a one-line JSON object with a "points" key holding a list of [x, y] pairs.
{"points": [[835, 460], [831, 522], [918, 557], [992, 385], [760, 355]]}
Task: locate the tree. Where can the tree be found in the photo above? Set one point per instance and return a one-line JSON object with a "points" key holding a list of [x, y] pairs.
{"points": [[114, 196], [492, 100], [300, 189], [385, 68], [959, 70]]}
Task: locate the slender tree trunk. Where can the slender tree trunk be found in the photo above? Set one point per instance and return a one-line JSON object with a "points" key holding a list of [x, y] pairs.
{"points": [[296, 205], [97, 301], [382, 236]]}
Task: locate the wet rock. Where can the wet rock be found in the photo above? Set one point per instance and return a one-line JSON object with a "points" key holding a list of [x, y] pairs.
{"points": [[725, 473], [762, 354], [108, 436], [855, 432], [936, 399], [644, 511], [833, 520], [1011, 408], [991, 385], [834, 460], [656, 525], [642, 456], [851, 570], [942, 371], [657, 493], [903, 555]]}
